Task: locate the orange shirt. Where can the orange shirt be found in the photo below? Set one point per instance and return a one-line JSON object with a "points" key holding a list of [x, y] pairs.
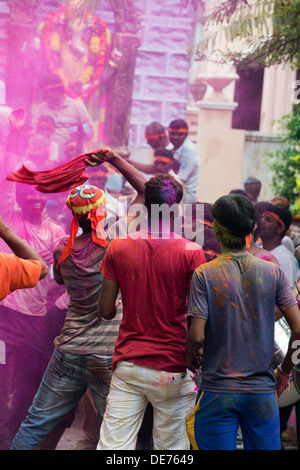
{"points": [[17, 273]]}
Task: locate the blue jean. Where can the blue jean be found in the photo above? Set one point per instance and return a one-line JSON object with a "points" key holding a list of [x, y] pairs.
{"points": [[65, 381], [214, 422]]}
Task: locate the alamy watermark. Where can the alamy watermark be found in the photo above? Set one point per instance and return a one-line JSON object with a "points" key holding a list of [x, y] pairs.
{"points": [[176, 221], [296, 354], [2, 353]]}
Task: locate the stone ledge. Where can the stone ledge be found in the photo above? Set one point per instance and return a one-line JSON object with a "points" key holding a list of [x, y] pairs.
{"points": [[257, 136], [217, 105]]}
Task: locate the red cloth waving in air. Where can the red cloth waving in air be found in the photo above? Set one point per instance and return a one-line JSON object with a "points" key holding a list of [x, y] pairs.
{"points": [[60, 179]]}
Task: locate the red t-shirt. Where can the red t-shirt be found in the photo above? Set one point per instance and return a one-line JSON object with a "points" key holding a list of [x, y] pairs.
{"points": [[154, 275]]}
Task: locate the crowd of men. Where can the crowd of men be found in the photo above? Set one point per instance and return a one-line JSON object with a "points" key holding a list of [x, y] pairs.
{"points": [[160, 341]]}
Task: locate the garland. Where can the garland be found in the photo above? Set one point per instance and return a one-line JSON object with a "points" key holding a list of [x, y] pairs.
{"points": [[90, 78]]}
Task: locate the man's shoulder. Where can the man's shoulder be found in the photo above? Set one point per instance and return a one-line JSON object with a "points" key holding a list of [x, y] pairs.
{"points": [[185, 249], [189, 145], [209, 266], [59, 247], [265, 255]]}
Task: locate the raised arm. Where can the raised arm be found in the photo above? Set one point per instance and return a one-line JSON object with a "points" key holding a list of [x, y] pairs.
{"points": [[18, 128], [20, 247], [146, 168], [131, 174]]}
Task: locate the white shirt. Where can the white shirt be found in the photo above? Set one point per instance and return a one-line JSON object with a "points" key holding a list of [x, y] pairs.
{"points": [[68, 117], [288, 263], [189, 171], [5, 112]]}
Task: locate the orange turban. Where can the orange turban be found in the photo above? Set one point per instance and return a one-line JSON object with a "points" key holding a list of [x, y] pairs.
{"points": [[82, 200]]}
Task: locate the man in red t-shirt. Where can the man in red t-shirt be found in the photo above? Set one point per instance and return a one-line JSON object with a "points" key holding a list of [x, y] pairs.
{"points": [[152, 268]]}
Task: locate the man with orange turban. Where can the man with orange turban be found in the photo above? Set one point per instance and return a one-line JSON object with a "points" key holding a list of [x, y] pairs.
{"points": [[83, 352]]}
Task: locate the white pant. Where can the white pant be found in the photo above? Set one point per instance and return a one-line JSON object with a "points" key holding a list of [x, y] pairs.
{"points": [[172, 396]]}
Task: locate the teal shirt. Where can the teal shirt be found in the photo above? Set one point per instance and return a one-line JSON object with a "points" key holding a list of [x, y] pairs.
{"points": [[237, 294]]}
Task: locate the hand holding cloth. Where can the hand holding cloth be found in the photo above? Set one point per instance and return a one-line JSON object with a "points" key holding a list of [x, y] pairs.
{"points": [[61, 178]]}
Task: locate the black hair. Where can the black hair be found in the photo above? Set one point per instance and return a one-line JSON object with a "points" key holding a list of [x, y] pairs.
{"points": [[47, 119], [162, 189], [163, 152], [284, 214], [211, 247], [243, 192], [236, 213], [207, 210], [259, 223], [178, 124], [252, 180], [262, 206], [155, 127]]}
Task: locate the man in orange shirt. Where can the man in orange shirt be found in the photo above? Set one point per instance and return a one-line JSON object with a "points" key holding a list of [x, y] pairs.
{"points": [[20, 270]]}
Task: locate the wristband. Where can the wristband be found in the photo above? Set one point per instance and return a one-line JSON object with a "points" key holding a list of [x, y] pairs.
{"points": [[281, 371]]}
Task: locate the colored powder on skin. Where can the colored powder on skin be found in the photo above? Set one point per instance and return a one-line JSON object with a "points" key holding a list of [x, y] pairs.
{"points": [[169, 193]]}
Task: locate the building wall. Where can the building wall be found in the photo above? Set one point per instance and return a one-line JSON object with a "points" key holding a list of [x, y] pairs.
{"points": [[161, 81], [220, 174], [4, 10], [162, 67], [256, 162]]}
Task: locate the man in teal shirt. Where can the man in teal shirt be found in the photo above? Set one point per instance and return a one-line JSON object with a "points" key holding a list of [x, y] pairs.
{"points": [[232, 304]]}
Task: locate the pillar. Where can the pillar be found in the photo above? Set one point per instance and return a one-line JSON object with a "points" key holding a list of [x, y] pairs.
{"points": [[220, 147]]}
